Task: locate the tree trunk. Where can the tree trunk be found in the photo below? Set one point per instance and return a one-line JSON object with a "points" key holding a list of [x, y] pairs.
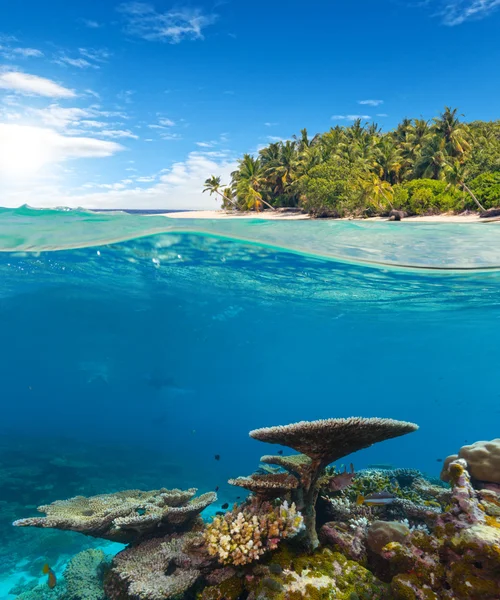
{"points": [[228, 199], [469, 191], [263, 201]]}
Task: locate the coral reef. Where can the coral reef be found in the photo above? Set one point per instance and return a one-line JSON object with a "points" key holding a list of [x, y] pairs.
{"points": [[328, 440], [319, 576], [381, 533], [460, 560], [156, 569], [320, 443], [483, 463], [84, 576], [123, 516], [386, 534], [242, 536], [269, 486]]}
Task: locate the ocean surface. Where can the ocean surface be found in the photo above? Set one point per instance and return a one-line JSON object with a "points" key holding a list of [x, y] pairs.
{"points": [[137, 348]]}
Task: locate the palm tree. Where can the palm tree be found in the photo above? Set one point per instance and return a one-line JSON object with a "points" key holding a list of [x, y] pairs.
{"points": [[377, 192], [432, 160], [454, 133], [282, 169], [213, 185], [388, 161], [456, 174], [248, 180]]}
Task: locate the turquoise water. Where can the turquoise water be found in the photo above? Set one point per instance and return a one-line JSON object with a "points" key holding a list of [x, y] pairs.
{"points": [[137, 348]]}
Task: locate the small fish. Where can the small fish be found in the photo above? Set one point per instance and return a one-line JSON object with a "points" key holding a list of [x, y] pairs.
{"points": [[217, 457], [342, 480], [280, 452], [51, 579], [225, 505], [216, 488], [376, 499], [439, 460], [219, 513], [238, 497]]}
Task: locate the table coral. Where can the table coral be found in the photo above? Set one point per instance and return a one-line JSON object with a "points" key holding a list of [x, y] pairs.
{"points": [[123, 516], [320, 443]]}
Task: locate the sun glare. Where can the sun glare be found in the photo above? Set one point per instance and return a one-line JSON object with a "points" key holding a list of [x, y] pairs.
{"points": [[23, 150]]}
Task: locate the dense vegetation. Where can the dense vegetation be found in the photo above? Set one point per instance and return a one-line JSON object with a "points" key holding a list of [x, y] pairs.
{"points": [[421, 167]]}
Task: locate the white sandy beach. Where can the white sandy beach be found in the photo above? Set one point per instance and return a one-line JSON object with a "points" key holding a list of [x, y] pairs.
{"points": [[279, 216]]}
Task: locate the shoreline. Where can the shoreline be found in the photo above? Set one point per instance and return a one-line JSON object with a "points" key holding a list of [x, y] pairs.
{"points": [[271, 216]]}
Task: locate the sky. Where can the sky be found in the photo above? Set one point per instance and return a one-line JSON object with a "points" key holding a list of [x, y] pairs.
{"points": [[134, 104]]}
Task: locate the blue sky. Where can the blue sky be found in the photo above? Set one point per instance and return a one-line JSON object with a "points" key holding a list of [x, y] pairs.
{"points": [[133, 104]]}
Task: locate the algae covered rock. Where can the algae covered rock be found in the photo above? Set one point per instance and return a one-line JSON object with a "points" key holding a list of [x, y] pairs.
{"points": [[381, 533], [323, 575], [483, 462]]}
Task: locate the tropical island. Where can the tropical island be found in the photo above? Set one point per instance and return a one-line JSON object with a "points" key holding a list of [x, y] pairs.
{"points": [[420, 168]]}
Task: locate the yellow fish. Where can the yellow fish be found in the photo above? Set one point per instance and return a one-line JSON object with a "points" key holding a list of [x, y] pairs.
{"points": [[51, 579]]}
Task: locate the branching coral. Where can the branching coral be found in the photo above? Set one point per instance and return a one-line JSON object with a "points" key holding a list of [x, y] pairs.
{"points": [[242, 536], [123, 516], [84, 576], [156, 569]]}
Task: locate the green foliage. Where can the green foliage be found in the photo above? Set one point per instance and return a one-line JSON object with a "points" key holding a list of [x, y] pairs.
{"points": [[421, 167], [487, 189], [327, 190], [425, 197]]}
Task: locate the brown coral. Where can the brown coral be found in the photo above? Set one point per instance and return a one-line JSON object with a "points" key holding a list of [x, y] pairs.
{"points": [[320, 443], [330, 439], [267, 486], [483, 462], [123, 516]]}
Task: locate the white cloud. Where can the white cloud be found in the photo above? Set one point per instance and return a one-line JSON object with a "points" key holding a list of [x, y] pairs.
{"points": [[458, 11], [91, 24], [80, 63], [172, 26], [24, 149], [97, 54], [88, 58], [24, 83], [371, 102], [382, 115], [268, 124], [170, 136], [350, 117], [7, 52], [178, 187], [166, 122], [205, 144], [90, 123], [59, 117], [275, 138], [118, 133]]}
